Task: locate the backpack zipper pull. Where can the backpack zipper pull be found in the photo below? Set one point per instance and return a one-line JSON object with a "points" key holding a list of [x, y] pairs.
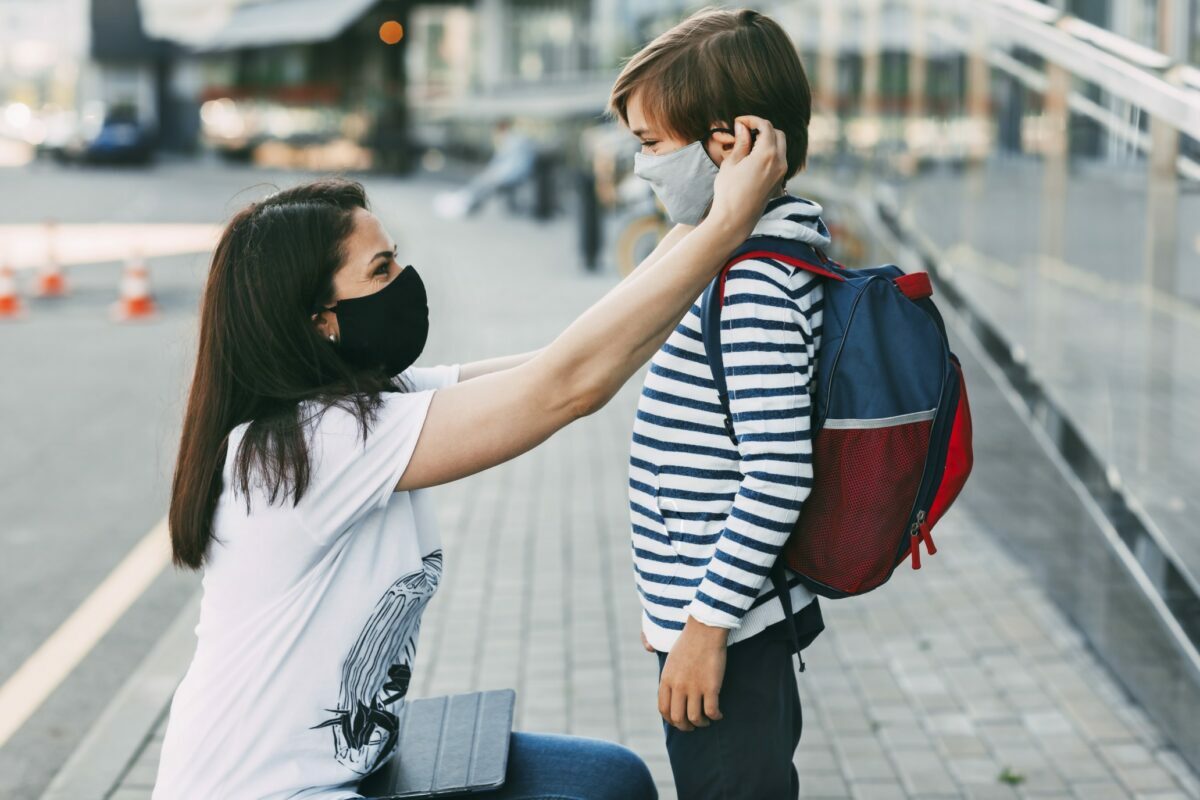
{"points": [[926, 533], [915, 535]]}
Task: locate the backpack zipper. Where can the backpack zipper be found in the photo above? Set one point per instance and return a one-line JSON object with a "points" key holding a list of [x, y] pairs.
{"points": [[915, 533]]}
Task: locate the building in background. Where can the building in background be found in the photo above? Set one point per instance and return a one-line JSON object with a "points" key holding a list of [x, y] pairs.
{"points": [[316, 83], [43, 60]]}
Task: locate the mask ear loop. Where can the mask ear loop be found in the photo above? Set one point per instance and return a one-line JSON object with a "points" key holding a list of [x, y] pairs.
{"points": [[317, 309], [730, 131]]}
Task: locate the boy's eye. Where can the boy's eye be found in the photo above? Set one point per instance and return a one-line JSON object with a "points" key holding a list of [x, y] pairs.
{"points": [[648, 144]]}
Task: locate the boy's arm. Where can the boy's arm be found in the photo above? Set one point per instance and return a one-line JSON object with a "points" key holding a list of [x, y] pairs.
{"points": [[764, 343], [764, 338], [475, 369]]}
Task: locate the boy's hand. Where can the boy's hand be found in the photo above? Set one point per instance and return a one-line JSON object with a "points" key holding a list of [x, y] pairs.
{"points": [[691, 679]]}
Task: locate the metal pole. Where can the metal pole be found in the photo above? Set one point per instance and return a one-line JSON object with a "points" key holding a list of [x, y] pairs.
{"points": [[979, 94], [493, 18], [918, 63], [1056, 152], [830, 48], [1162, 190], [1176, 21], [872, 46], [979, 131]]}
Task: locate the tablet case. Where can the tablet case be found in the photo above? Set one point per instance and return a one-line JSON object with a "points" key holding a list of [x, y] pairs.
{"points": [[447, 745]]}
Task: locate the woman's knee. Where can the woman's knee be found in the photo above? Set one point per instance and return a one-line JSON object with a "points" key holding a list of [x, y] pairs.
{"points": [[629, 777], [577, 767]]}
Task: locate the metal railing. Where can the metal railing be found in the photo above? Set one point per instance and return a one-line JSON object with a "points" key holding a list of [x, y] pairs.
{"points": [[1047, 170]]}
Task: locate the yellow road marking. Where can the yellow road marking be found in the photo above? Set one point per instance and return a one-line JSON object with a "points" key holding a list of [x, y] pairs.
{"points": [[34, 681]]}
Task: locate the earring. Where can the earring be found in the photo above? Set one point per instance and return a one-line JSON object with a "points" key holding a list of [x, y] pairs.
{"points": [[332, 338]]}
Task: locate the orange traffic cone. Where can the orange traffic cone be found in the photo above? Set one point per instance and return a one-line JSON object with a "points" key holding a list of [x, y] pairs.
{"points": [[135, 301], [50, 281], [10, 301]]}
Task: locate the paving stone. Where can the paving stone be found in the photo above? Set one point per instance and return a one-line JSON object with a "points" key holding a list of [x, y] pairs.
{"points": [[1081, 766], [961, 746], [1099, 791], [924, 773], [1173, 763], [814, 759], [823, 785], [867, 790], [127, 793], [868, 768], [989, 791], [974, 770], [1146, 778], [1126, 754]]}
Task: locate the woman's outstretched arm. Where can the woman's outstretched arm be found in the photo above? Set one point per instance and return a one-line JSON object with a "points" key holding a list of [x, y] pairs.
{"points": [[476, 369], [483, 422]]}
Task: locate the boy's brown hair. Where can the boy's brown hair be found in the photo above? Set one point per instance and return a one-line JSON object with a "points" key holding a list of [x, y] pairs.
{"points": [[716, 65]]}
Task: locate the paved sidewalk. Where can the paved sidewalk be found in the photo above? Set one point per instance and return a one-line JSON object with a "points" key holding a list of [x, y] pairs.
{"points": [[957, 681]]}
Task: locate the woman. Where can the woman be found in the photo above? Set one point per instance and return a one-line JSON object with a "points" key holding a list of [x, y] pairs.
{"points": [[299, 483]]}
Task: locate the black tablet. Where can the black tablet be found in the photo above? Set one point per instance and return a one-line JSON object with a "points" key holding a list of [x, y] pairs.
{"points": [[447, 745]]}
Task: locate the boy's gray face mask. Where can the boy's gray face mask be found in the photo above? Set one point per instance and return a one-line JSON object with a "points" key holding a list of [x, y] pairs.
{"points": [[683, 181]]}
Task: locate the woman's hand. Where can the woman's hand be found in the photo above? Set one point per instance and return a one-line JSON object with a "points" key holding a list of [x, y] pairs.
{"points": [[749, 174]]}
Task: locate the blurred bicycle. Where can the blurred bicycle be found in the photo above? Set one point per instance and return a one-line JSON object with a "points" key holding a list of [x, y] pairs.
{"points": [[641, 225]]}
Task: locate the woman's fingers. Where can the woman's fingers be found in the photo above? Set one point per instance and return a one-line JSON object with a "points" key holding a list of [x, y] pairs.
{"points": [[770, 144], [764, 133], [742, 143]]}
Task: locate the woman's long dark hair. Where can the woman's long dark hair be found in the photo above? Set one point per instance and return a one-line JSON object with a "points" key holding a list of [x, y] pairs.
{"points": [[260, 356]]}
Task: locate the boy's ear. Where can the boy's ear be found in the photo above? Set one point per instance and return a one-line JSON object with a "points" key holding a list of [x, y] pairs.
{"points": [[720, 137]]}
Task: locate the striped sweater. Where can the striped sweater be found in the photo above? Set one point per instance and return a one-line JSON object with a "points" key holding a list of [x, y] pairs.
{"points": [[709, 517]]}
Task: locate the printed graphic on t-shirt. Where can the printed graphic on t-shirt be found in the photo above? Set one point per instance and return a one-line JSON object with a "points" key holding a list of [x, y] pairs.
{"points": [[376, 671]]}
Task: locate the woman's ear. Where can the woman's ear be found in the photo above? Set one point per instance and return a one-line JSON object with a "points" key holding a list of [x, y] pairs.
{"points": [[325, 323]]}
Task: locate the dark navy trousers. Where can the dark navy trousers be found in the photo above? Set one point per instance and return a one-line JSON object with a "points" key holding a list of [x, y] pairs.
{"points": [[747, 754]]}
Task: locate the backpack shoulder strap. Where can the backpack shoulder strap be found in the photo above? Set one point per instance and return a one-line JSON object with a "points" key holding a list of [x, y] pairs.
{"points": [[710, 332], [795, 254]]}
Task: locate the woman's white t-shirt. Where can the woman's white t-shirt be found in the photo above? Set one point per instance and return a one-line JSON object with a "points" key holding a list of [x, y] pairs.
{"points": [[309, 618]]}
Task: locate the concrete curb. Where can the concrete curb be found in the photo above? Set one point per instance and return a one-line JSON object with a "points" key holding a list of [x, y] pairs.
{"points": [[107, 750]]}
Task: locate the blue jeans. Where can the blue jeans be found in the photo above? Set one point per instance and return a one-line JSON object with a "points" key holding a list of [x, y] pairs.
{"points": [[543, 766]]}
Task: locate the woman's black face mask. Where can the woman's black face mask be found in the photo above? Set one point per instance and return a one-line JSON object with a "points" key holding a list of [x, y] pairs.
{"points": [[385, 330]]}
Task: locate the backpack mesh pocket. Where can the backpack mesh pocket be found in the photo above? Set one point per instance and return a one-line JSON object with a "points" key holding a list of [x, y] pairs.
{"points": [[854, 523]]}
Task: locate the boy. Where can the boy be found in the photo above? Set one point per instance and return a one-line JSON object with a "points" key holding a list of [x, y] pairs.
{"points": [[710, 515]]}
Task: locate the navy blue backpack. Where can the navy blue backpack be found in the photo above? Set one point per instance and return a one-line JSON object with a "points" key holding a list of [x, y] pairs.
{"points": [[891, 426]]}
